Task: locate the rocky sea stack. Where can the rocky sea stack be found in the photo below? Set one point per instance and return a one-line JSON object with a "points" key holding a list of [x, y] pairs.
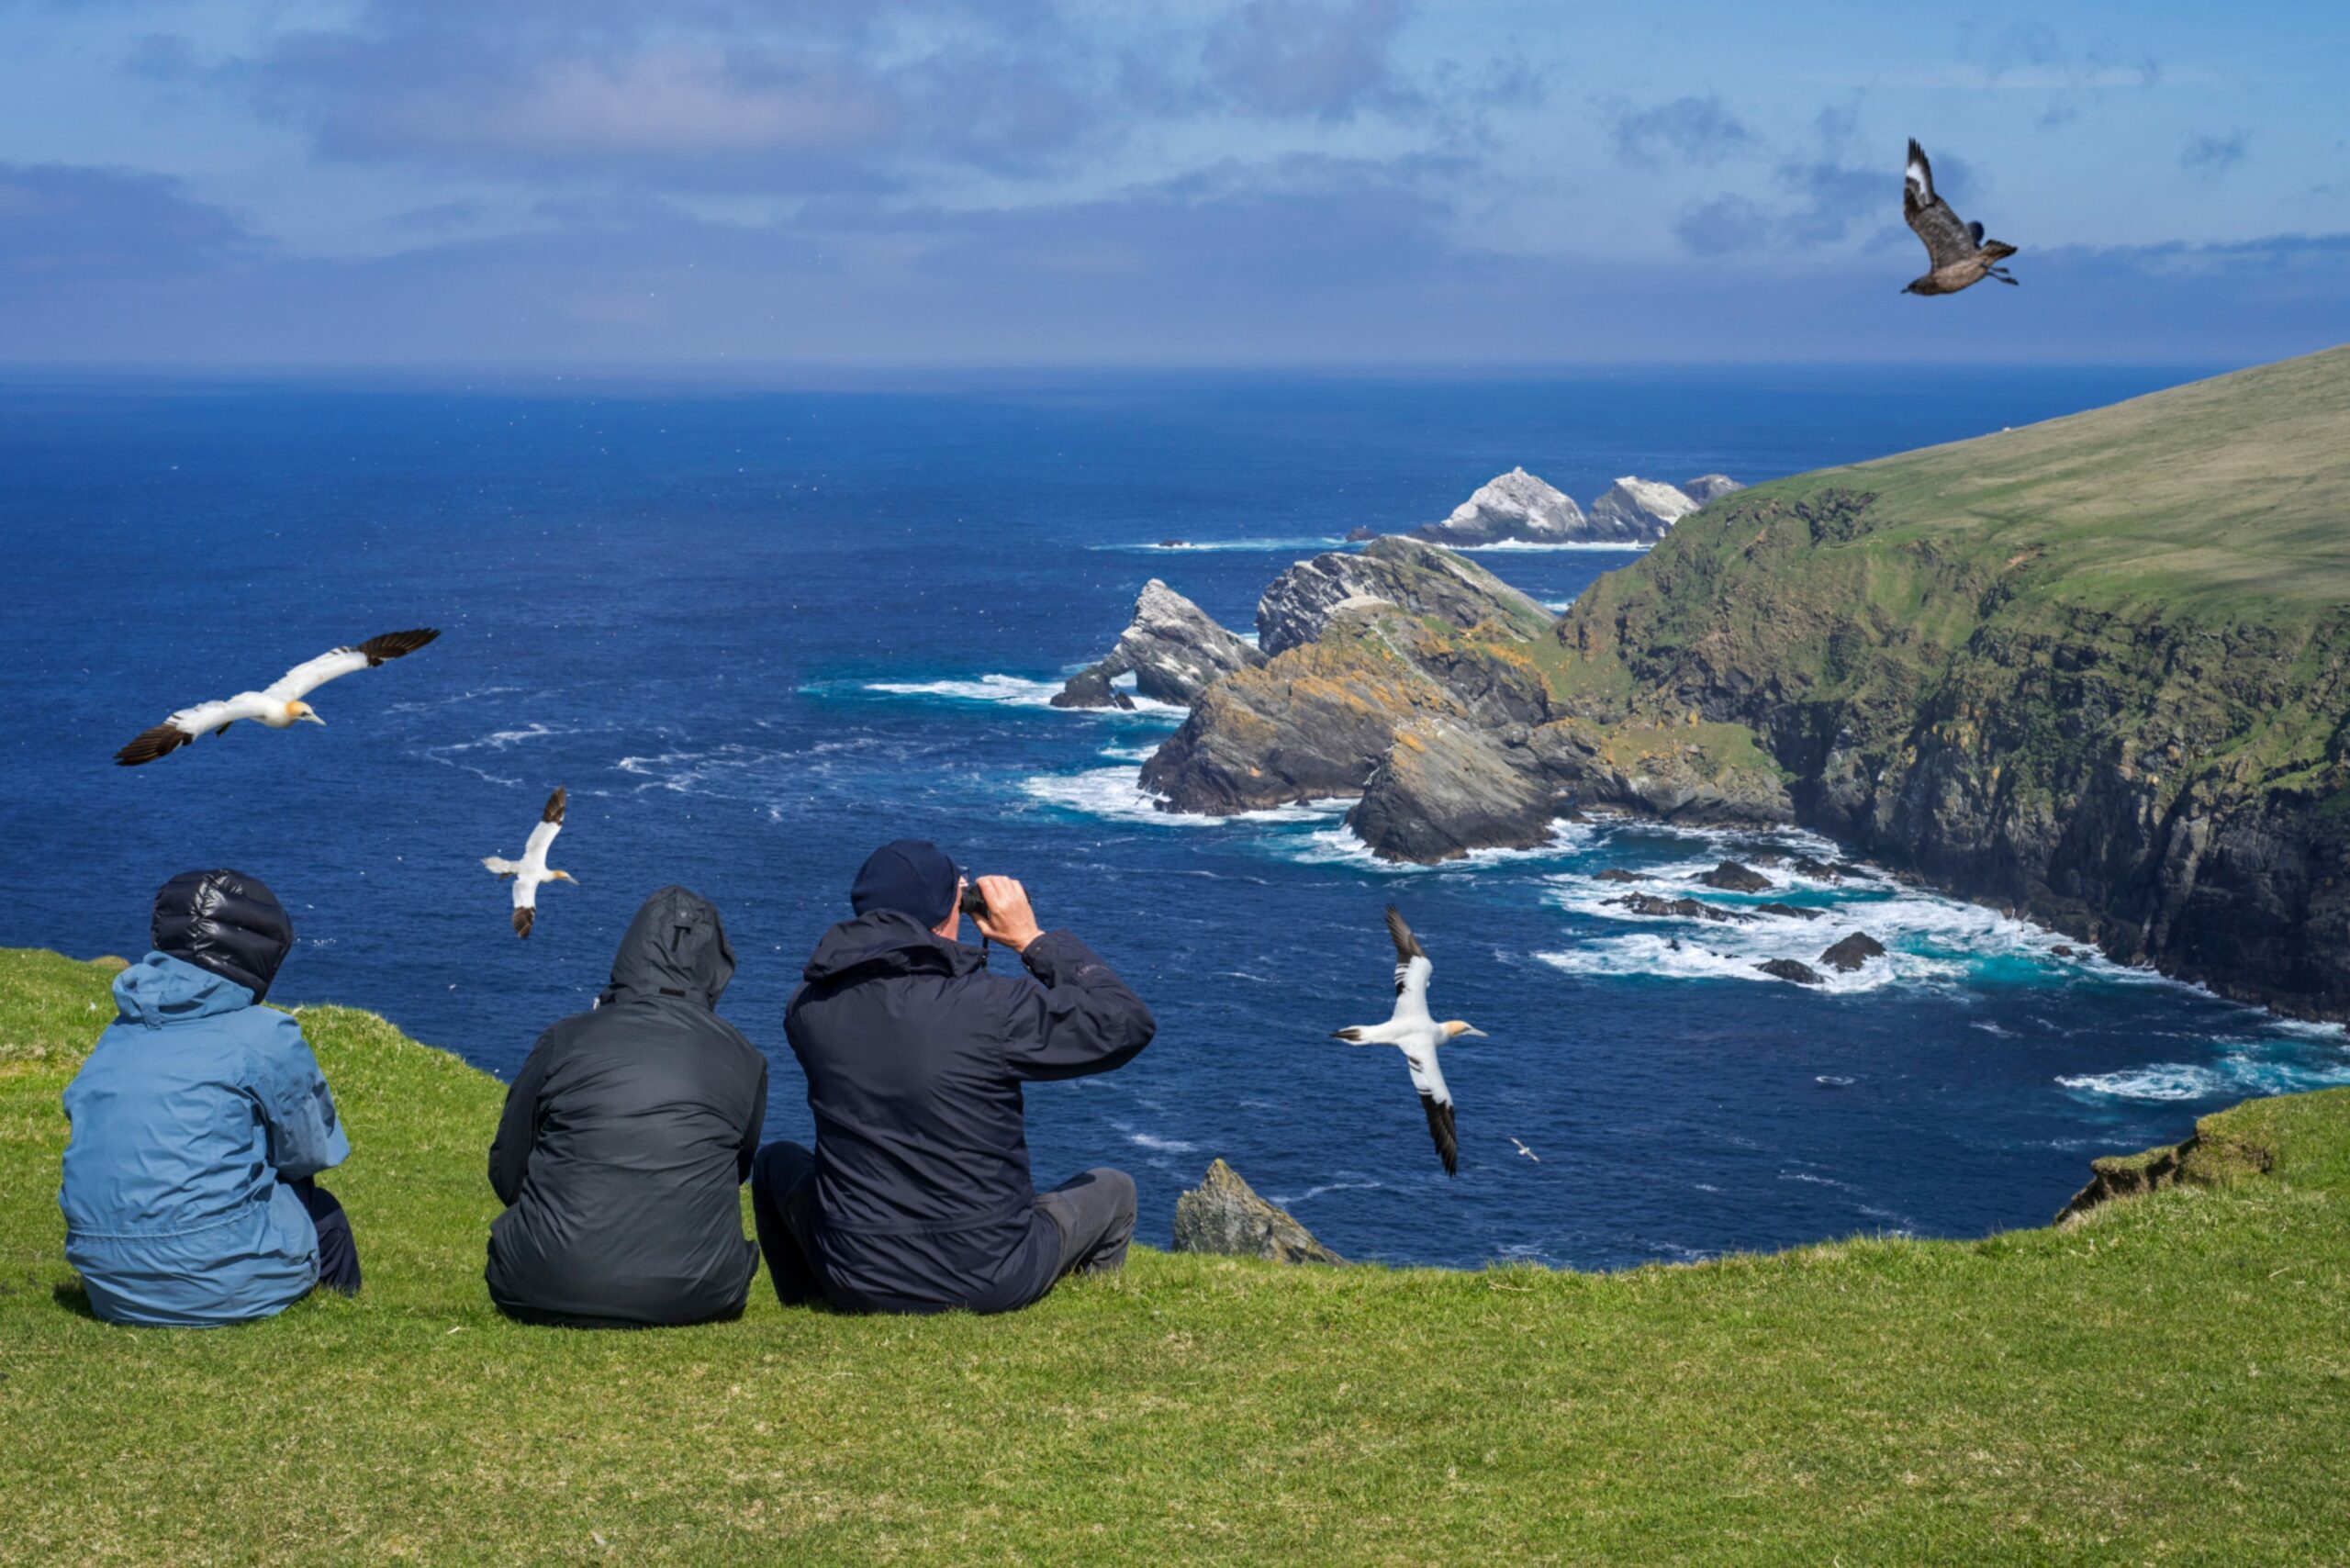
{"points": [[1224, 1214], [1172, 649]]}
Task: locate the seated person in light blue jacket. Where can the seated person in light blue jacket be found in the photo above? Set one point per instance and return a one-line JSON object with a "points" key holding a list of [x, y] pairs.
{"points": [[198, 1123]]}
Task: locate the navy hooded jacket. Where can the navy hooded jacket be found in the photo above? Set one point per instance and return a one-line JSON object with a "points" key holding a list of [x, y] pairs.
{"points": [[915, 1054]]}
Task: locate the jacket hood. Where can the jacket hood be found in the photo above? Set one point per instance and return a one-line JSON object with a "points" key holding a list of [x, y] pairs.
{"points": [[227, 923], [675, 946], [887, 941], [161, 988]]}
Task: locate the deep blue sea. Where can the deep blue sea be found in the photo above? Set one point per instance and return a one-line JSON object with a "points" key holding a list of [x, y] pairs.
{"points": [[757, 632]]}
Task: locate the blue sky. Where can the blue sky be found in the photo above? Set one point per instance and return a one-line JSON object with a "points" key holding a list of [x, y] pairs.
{"points": [[1220, 182]]}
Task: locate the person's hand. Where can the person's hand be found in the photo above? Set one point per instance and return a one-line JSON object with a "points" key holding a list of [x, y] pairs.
{"points": [[1008, 920]]}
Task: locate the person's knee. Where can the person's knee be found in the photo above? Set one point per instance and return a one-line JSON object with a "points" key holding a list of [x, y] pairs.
{"points": [[1118, 1187]]}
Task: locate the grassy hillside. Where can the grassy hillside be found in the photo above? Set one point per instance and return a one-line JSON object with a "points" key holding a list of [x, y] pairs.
{"points": [[2095, 668], [2164, 1382]]}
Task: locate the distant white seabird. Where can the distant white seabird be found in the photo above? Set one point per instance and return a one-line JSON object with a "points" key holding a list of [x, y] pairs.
{"points": [[278, 705], [1528, 1152], [531, 869], [1413, 1031]]}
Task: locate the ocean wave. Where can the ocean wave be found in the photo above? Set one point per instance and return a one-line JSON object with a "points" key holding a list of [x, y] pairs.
{"points": [[2237, 1073], [1160, 1144], [1291, 1200], [1528, 546], [1116, 794], [1017, 692], [1210, 546]]}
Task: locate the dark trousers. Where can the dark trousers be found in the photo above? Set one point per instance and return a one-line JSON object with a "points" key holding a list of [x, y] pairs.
{"points": [[783, 1206], [1093, 1211], [338, 1254]]}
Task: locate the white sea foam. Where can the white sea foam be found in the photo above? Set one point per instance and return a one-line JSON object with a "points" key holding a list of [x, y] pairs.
{"points": [[1523, 546], [1010, 689], [1339, 846], [1160, 1144], [2247, 1069], [1116, 794], [1205, 546]]}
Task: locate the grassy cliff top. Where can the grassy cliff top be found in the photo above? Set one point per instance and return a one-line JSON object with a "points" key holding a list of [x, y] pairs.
{"points": [[2163, 1381], [2228, 496]]}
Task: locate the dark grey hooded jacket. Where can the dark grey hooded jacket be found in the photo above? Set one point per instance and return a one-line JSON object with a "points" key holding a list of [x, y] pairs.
{"points": [[915, 1055], [626, 1137]]}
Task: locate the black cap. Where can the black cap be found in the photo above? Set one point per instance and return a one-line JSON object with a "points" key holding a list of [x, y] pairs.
{"points": [[911, 876], [225, 923]]}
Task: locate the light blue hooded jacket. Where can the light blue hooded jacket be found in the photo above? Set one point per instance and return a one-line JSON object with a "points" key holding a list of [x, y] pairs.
{"points": [[193, 1108]]}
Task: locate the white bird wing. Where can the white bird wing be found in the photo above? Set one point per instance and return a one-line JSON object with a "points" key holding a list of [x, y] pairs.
{"points": [[161, 739], [1436, 1099], [311, 674], [1412, 969], [534, 853]]}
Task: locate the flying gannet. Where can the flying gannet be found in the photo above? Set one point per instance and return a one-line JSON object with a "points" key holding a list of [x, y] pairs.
{"points": [[531, 869], [278, 705], [1958, 255], [1410, 1030]]}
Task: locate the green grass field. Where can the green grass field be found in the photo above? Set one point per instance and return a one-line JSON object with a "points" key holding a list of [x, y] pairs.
{"points": [[2168, 1381]]}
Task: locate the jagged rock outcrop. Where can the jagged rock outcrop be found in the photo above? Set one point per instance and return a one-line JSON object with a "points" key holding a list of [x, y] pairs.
{"points": [[1224, 1214], [1733, 877], [1639, 512], [1173, 649], [1791, 970], [1090, 687], [1445, 788], [1708, 488], [1413, 576], [1853, 952], [1515, 506]]}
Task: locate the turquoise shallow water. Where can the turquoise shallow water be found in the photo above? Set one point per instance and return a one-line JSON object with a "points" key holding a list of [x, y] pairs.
{"points": [[756, 633]]}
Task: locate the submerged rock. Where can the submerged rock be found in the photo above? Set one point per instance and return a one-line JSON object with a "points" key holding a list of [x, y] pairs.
{"points": [[1853, 952], [1791, 910], [1639, 512], [1678, 909], [1618, 874], [1733, 877], [1515, 506], [1790, 970], [1171, 647], [1224, 1214]]}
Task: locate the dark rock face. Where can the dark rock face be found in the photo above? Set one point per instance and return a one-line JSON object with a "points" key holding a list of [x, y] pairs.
{"points": [[1445, 788], [1224, 1214], [1090, 687], [1362, 534], [1171, 647], [1708, 486], [1733, 877], [1788, 911], [1415, 577], [1788, 969], [1853, 951], [1680, 908], [1821, 871]]}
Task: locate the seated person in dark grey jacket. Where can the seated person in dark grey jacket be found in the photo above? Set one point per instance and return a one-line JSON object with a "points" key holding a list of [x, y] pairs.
{"points": [[626, 1139], [917, 1196]]}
